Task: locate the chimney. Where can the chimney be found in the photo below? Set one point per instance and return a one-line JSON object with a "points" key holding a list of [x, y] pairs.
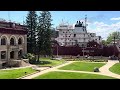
{"points": [[77, 22]]}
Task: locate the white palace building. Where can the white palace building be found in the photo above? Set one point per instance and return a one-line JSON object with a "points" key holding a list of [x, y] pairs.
{"points": [[70, 35]]}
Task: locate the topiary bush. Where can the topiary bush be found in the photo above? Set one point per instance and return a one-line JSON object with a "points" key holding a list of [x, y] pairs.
{"points": [[96, 69]]}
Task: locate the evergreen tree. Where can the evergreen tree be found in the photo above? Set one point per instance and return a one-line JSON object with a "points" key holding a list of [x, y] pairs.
{"points": [[44, 33], [31, 22]]}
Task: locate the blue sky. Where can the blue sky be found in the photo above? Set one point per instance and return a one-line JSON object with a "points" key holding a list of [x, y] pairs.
{"points": [[100, 22]]}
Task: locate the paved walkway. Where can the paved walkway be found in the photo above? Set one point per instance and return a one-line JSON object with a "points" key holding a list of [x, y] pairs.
{"points": [[18, 67], [103, 70], [47, 70]]}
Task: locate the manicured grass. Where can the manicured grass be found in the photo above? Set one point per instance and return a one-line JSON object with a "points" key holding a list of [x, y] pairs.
{"points": [[115, 68], [49, 62], [71, 75], [15, 73], [82, 66]]}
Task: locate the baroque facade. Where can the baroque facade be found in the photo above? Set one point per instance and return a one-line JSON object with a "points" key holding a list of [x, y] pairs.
{"points": [[13, 41]]}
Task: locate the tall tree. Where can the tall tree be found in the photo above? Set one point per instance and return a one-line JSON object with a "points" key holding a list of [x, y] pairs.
{"points": [[31, 22], [104, 42], [44, 33], [112, 35]]}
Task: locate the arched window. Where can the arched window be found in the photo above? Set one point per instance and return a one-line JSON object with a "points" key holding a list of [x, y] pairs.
{"points": [[3, 41], [19, 41], [12, 41], [3, 54]]}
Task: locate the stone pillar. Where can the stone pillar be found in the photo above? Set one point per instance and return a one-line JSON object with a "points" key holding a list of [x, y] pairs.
{"points": [[25, 45], [0, 55], [8, 55], [16, 55]]}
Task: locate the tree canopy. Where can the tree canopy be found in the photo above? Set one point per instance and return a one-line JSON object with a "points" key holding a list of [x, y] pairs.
{"points": [[111, 37]]}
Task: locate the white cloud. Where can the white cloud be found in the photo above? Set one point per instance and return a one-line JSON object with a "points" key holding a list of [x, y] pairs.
{"points": [[115, 18], [102, 29]]}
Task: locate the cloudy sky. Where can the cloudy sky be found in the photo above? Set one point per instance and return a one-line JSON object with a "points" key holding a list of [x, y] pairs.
{"points": [[100, 22]]}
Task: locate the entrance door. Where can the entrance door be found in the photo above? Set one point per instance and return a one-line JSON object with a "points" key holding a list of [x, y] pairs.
{"points": [[12, 55]]}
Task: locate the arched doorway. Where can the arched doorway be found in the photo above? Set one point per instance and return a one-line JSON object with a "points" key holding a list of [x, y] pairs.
{"points": [[20, 54], [12, 55]]}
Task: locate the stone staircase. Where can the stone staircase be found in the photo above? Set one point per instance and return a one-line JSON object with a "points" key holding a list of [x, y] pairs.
{"points": [[17, 63]]}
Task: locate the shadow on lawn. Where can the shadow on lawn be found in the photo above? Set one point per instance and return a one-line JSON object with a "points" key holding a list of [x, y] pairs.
{"points": [[43, 62]]}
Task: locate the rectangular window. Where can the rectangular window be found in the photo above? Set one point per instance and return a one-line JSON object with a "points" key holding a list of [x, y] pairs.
{"points": [[74, 35], [3, 54], [84, 39]]}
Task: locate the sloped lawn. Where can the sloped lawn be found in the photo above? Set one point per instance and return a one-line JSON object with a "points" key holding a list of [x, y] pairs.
{"points": [[82, 66], [15, 73], [71, 75], [115, 68], [49, 62]]}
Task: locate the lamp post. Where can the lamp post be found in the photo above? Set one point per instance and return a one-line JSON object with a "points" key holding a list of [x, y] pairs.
{"points": [[94, 50], [114, 45], [57, 50], [83, 50]]}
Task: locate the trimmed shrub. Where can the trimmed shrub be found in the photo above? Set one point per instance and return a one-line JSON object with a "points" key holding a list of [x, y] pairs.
{"points": [[24, 56], [96, 69]]}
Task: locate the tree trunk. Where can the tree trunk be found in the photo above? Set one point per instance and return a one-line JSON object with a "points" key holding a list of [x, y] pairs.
{"points": [[35, 58], [38, 57]]}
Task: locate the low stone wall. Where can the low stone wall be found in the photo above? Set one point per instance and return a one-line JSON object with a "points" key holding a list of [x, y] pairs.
{"points": [[0, 65], [13, 63]]}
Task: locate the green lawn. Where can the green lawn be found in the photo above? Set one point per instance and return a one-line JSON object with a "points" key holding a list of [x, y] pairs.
{"points": [[15, 73], [71, 75], [115, 68], [82, 66], [49, 62]]}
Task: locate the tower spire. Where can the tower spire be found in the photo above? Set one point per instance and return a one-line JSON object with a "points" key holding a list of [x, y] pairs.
{"points": [[85, 20], [86, 23]]}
